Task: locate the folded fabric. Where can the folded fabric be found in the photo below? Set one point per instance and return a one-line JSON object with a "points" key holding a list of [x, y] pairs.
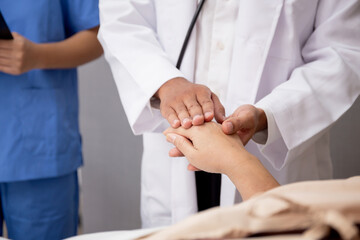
{"points": [[312, 208]]}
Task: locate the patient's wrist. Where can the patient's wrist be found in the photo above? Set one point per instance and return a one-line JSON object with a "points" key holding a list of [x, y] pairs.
{"points": [[250, 176], [238, 165]]}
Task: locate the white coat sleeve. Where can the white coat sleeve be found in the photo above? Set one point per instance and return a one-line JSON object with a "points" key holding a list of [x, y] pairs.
{"points": [[137, 60], [320, 91]]}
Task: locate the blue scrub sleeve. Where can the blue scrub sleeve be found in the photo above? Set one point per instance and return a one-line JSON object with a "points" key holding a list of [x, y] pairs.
{"points": [[80, 15]]}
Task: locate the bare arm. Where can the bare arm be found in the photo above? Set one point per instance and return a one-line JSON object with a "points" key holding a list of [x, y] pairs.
{"points": [[213, 151], [21, 55]]}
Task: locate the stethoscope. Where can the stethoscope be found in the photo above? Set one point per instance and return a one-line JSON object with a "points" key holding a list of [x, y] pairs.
{"points": [[188, 34]]}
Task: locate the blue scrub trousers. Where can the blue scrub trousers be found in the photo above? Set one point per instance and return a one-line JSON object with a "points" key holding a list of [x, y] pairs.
{"points": [[40, 209]]}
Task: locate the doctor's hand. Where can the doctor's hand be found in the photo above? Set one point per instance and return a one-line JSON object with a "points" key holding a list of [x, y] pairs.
{"points": [[17, 56], [186, 104], [207, 148], [245, 121]]}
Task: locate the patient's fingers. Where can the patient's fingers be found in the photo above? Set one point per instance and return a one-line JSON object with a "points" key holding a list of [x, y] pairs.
{"points": [[181, 143], [191, 167], [175, 153], [180, 131]]}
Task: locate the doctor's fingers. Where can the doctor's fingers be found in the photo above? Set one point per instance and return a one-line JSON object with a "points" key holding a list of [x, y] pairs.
{"points": [[195, 111], [170, 115], [182, 114], [219, 110], [207, 105]]}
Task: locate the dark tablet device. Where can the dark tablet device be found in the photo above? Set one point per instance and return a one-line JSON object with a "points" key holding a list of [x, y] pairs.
{"points": [[4, 30]]}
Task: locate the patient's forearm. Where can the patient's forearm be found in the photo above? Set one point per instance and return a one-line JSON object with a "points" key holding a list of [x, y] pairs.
{"points": [[251, 177]]}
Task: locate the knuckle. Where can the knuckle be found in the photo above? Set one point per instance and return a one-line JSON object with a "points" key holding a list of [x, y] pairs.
{"points": [[164, 107], [203, 88], [193, 107], [238, 121], [206, 102], [180, 109], [188, 94], [249, 116], [168, 115], [19, 56], [205, 91]]}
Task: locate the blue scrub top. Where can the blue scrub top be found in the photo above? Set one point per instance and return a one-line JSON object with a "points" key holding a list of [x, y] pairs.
{"points": [[39, 131]]}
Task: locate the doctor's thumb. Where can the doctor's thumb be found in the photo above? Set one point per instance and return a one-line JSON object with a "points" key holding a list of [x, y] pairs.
{"points": [[228, 127], [234, 124]]}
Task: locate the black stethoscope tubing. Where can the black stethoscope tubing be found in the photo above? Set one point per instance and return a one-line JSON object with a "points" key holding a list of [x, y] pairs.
{"points": [[188, 34]]}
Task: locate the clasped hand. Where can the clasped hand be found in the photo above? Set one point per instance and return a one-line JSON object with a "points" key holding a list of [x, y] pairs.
{"points": [[17, 56], [187, 104], [207, 148]]}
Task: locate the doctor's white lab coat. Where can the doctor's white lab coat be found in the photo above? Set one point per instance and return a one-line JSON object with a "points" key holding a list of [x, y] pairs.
{"points": [[299, 60]]}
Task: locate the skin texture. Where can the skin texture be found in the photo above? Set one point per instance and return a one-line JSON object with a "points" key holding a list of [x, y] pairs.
{"points": [[186, 104], [207, 148], [245, 121], [21, 55]]}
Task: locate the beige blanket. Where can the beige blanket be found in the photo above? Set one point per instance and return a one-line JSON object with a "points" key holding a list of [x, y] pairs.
{"points": [[312, 207]]}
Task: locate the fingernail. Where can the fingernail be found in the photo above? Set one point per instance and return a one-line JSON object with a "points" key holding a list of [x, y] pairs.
{"points": [[186, 120], [171, 137], [197, 116], [176, 122], [229, 126], [208, 115]]}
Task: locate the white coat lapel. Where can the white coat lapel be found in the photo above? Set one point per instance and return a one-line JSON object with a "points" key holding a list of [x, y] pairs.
{"points": [[173, 20], [256, 25]]}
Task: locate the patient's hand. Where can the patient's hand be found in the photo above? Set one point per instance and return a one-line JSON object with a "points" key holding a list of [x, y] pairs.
{"points": [[207, 147]]}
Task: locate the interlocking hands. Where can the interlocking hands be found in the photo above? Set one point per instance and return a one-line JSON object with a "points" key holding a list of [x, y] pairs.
{"points": [[187, 104]]}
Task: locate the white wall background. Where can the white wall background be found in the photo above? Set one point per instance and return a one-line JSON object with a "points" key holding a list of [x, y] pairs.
{"points": [[112, 155]]}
